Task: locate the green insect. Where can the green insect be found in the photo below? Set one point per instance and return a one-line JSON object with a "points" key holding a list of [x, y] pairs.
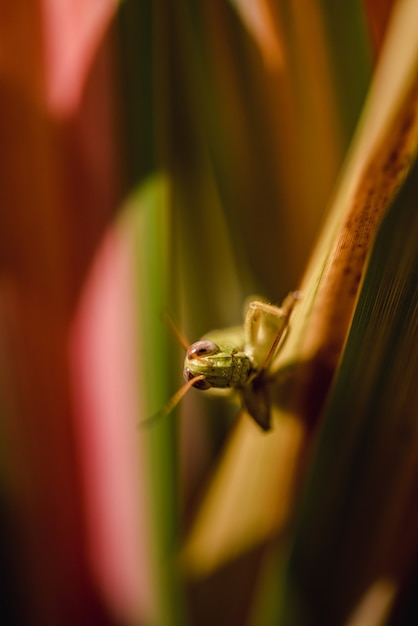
{"points": [[239, 358]]}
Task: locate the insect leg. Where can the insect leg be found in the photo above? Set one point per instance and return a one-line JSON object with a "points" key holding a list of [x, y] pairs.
{"points": [[265, 325]]}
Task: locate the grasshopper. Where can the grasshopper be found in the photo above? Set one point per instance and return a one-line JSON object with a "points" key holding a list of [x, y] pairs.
{"points": [[239, 358]]}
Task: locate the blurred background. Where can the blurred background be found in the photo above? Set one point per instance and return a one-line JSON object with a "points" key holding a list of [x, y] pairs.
{"points": [[164, 158]]}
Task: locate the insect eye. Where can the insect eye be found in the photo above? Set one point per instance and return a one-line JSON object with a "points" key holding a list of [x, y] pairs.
{"points": [[202, 348], [199, 384]]}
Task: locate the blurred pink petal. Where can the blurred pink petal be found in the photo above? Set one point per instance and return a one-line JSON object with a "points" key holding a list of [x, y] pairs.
{"points": [[72, 33], [105, 389], [43, 490]]}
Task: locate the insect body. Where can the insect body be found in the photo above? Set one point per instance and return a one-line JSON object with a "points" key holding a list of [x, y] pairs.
{"points": [[239, 357]]}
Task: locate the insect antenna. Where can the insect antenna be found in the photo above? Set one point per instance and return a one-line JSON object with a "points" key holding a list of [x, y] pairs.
{"points": [[273, 347], [173, 402], [181, 338], [180, 393]]}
